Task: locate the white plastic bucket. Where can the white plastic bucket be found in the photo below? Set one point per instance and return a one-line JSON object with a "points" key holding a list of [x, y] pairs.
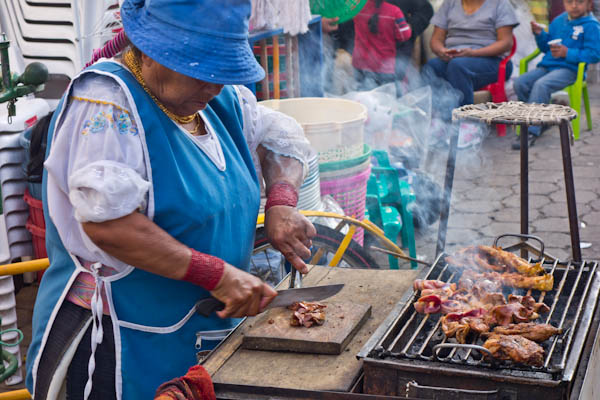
{"points": [[334, 127]]}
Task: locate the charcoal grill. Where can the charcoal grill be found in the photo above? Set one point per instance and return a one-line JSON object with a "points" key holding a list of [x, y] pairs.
{"points": [[409, 354]]}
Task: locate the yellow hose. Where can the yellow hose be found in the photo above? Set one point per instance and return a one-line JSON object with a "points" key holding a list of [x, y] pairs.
{"points": [[24, 266], [22, 394]]}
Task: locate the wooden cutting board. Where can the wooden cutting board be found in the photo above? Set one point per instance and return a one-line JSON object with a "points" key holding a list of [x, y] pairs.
{"points": [[382, 289], [272, 331]]}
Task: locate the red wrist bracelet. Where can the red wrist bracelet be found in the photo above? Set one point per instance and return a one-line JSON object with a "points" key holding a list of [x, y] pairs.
{"points": [[204, 270], [282, 194]]}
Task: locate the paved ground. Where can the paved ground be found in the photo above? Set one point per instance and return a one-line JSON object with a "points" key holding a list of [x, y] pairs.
{"points": [[485, 200]]}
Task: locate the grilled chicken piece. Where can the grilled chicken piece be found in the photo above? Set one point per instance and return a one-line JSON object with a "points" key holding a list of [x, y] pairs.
{"points": [[515, 348], [512, 261], [543, 283], [489, 258], [532, 331], [307, 314]]}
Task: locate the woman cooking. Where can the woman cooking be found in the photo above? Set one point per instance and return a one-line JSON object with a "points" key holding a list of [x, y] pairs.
{"points": [[151, 198]]}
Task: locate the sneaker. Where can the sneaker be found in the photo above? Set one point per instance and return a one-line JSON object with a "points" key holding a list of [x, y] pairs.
{"points": [[516, 145], [468, 135]]}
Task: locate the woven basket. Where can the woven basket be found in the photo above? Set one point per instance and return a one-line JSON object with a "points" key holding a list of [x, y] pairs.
{"points": [[350, 192]]}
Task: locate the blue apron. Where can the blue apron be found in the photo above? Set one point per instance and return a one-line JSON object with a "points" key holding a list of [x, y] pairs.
{"points": [[207, 209]]}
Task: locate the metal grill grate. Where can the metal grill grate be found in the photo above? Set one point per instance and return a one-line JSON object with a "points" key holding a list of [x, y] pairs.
{"points": [[419, 336]]}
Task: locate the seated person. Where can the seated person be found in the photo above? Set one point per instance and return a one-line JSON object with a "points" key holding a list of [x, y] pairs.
{"points": [[377, 28], [573, 37], [470, 38]]}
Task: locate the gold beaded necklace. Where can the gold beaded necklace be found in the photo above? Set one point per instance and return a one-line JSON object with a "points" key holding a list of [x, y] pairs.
{"points": [[133, 63]]}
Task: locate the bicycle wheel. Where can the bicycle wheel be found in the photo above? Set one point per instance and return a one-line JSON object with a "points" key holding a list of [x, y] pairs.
{"points": [[267, 263]]}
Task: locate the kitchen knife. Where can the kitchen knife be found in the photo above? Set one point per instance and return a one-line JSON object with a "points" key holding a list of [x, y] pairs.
{"points": [[284, 298]]}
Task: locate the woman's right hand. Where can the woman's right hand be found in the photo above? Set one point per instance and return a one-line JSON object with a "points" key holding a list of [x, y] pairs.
{"points": [[244, 295]]}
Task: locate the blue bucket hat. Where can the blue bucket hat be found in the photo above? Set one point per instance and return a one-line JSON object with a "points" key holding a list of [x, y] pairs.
{"points": [[203, 39]]}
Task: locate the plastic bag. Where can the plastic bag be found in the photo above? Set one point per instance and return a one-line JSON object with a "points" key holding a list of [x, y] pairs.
{"points": [[395, 122]]}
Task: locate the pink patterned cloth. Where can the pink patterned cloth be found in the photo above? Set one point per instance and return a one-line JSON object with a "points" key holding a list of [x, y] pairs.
{"points": [[82, 290]]}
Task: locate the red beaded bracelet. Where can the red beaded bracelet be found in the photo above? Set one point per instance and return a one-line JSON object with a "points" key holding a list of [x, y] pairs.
{"points": [[204, 270], [281, 194]]}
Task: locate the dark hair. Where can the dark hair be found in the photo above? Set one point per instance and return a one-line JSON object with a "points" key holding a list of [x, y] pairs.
{"points": [[374, 20]]}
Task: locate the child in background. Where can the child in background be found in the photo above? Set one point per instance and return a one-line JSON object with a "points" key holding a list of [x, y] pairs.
{"points": [[573, 37], [377, 28]]}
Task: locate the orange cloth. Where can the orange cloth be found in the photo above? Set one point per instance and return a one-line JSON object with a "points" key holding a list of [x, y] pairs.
{"points": [[195, 385]]}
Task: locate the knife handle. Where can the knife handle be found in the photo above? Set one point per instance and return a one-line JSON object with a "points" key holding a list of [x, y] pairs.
{"points": [[206, 307]]}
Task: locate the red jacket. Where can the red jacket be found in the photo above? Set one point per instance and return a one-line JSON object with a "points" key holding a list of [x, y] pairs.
{"points": [[376, 52]]}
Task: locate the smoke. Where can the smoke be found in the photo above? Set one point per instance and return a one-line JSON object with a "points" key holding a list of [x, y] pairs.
{"points": [[411, 120]]}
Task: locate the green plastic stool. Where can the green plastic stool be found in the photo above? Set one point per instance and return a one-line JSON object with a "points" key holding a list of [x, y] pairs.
{"points": [[387, 218], [395, 194]]}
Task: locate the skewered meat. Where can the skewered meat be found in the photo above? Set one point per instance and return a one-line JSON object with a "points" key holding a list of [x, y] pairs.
{"points": [[519, 309], [456, 329], [421, 284], [468, 282], [543, 283], [459, 325], [508, 313], [488, 258], [439, 288], [512, 261], [307, 314], [529, 302], [536, 332], [515, 348], [428, 304]]}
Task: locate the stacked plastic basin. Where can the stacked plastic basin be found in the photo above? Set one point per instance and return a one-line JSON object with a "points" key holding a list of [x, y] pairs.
{"points": [[309, 195], [14, 237], [335, 129]]}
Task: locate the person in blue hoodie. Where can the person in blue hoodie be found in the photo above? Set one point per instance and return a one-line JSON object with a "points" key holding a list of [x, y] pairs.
{"points": [[573, 37]]}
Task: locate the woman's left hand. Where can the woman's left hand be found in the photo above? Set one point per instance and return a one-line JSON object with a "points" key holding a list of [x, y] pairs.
{"points": [[290, 232]]}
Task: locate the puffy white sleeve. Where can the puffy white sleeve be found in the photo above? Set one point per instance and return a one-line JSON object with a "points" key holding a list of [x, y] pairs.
{"points": [[97, 156], [96, 165], [272, 129]]}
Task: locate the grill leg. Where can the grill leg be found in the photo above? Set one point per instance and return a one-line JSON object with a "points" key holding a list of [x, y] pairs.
{"points": [[570, 189], [524, 186], [448, 181]]}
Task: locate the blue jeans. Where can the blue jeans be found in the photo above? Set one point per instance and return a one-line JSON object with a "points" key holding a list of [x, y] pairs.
{"points": [[467, 74], [537, 86]]}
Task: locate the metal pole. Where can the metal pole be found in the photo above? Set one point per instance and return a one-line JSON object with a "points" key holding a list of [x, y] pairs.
{"points": [[524, 185], [570, 189]]}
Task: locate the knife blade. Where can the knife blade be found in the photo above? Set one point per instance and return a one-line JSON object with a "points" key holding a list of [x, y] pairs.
{"points": [[284, 298]]}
